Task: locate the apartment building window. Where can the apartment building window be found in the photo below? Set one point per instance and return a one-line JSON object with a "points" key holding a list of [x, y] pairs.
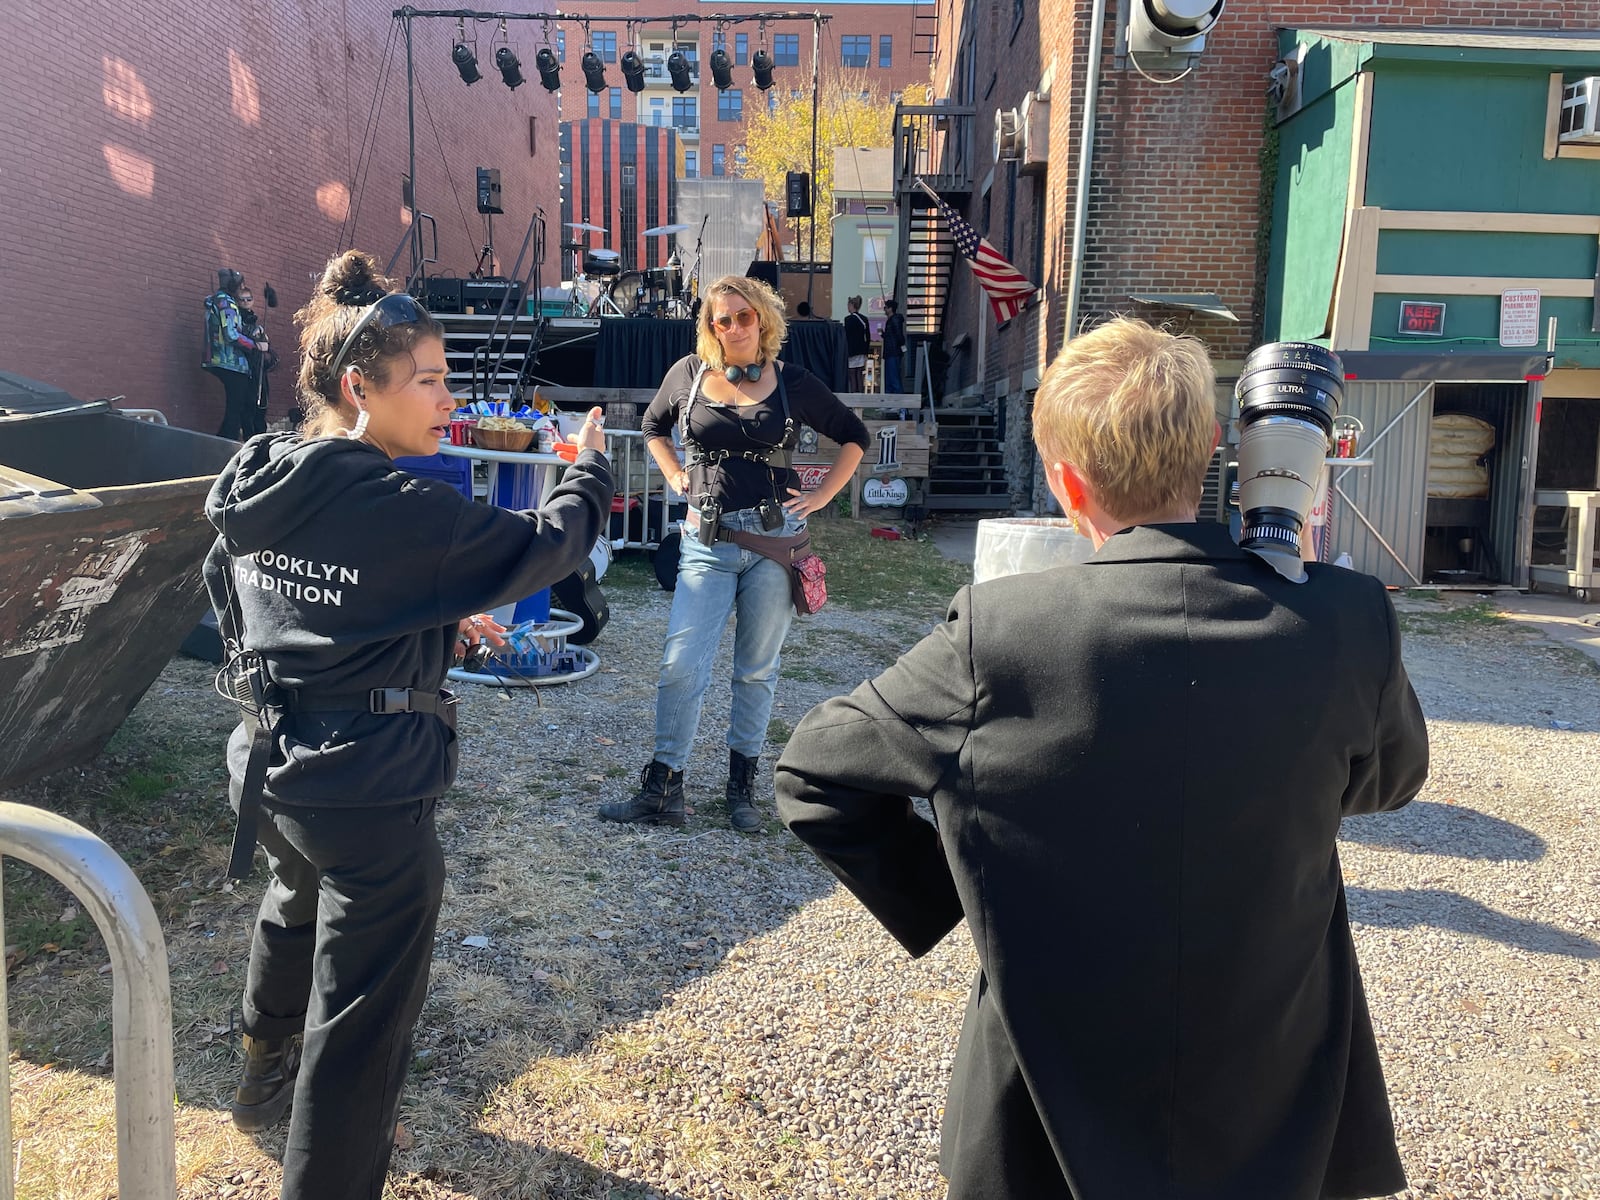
{"points": [[594, 104], [856, 49], [740, 158], [719, 161], [605, 45], [741, 48], [691, 164], [885, 50], [874, 253], [616, 104], [719, 41], [561, 44], [730, 105], [786, 50], [772, 101], [685, 112], [658, 111]]}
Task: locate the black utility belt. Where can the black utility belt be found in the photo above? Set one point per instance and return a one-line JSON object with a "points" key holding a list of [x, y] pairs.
{"points": [[384, 701]]}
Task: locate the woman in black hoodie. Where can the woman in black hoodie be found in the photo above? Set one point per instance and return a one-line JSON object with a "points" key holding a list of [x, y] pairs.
{"points": [[349, 583]]}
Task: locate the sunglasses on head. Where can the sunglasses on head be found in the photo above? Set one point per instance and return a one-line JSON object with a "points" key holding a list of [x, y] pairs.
{"points": [[396, 308], [744, 318]]}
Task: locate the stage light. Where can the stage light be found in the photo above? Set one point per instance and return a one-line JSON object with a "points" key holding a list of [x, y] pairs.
{"points": [[466, 62], [678, 68], [633, 71], [721, 70], [594, 72], [761, 68], [506, 62], [549, 69]]}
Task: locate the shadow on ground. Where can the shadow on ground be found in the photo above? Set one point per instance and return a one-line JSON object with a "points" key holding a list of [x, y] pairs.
{"points": [[1428, 827], [1411, 907]]}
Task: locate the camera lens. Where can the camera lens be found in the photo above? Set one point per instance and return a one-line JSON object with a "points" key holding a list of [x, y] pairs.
{"points": [[1291, 379], [1289, 394]]}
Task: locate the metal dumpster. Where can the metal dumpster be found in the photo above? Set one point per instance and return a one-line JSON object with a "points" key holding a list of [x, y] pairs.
{"points": [[101, 539]]}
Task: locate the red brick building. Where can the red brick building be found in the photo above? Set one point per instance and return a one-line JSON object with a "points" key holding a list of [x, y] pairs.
{"points": [[866, 46], [144, 147], [1176, 204]]}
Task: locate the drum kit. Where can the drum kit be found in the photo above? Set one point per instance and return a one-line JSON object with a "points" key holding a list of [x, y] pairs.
{"points": [[601, 288]]}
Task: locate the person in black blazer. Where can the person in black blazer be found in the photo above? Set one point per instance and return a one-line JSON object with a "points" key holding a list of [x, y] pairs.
{"points": [[1138, 766]]}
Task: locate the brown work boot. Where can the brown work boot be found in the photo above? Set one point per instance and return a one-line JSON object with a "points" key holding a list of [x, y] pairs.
{"points": [[267, 1085]]}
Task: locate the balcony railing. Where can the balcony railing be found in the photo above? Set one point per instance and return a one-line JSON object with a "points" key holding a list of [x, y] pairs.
{"points": [[936, 143]]}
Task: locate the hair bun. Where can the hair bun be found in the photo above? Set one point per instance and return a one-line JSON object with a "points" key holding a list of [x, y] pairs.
{"points": [[352, 279]]}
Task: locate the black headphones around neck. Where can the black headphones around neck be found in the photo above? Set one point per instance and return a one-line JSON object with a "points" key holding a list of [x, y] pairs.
{"points": [[735, 374]]}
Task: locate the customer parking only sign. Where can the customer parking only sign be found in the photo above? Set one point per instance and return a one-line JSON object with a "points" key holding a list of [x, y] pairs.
{"points": [[1519, 317]]}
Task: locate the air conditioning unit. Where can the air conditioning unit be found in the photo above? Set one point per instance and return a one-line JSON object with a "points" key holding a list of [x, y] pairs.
{"points": [[1580, 113], [1007, 134], [1023, 134], [1034, 119]]}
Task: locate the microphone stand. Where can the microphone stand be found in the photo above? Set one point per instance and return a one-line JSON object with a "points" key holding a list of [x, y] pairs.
{"points": [[694, 275]]}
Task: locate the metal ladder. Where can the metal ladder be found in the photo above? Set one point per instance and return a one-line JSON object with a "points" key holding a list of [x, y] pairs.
{"points": [[141, 999]]}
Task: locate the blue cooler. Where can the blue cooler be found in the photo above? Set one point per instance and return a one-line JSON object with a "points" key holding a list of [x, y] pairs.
{"points": [[447, 468], [516, 486]]}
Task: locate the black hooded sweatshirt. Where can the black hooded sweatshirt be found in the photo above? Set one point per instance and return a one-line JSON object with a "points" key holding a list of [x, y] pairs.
{"points": [[351, 574]]}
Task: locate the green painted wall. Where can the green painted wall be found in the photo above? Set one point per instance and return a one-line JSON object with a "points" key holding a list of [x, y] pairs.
{"points": [[1308, 202], [1470, 138], [848, 261], [1425, 252]]}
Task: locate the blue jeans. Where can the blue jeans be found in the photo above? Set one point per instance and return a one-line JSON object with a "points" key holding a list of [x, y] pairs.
{"points": [[891, 374], [715, 582]]}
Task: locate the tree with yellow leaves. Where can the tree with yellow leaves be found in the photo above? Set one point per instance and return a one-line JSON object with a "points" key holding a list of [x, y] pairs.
{"points": [[778, 141]]}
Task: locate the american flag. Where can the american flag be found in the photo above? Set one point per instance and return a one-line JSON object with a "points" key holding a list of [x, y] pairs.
{"points": [[1008, 288]]}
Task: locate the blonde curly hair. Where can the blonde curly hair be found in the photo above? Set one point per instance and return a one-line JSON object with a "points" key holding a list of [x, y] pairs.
{"points": [[769, 312]]}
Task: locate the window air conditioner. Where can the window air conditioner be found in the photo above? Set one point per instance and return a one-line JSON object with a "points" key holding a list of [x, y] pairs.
{"points": [[1007, 134], [1580, 113], [1034, 119]]}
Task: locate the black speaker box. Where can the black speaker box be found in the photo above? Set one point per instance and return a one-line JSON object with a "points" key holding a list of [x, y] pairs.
{"points": [[797, 190], [767, 272], [443, 295], [486, 294], [489, 190]]}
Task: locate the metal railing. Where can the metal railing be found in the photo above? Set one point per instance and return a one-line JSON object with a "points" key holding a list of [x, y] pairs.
{"points": [[935, 143], [141, 1000], [636, 475]]}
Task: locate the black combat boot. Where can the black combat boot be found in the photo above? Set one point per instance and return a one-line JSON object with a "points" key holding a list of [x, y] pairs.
{"points": [[742, 814], [659, 800], [267, 1085]]}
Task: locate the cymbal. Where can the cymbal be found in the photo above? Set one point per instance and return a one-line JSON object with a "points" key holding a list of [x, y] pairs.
{"points": [[584, 227], [663, 230]]}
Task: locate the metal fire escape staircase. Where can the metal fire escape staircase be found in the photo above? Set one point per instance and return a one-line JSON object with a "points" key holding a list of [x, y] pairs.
{"points": [[935, 149]]}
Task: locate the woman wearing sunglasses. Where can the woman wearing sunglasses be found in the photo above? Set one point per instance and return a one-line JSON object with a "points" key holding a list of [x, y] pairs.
{"points": [[346, 585], [740, 413]]}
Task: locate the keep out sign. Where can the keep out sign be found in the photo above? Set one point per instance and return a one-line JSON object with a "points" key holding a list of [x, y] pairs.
{"points": [[1422, 318]]}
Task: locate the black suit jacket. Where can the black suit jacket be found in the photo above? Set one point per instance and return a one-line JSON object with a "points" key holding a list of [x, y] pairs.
{"points": [[1138, 765]]}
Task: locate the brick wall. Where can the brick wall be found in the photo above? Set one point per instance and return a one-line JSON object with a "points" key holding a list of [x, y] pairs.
{"points": [[145, 146], [1174, 201]]}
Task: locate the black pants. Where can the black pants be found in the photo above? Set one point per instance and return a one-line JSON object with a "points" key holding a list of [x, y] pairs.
{"points": [[342, 947], [241, 416]]}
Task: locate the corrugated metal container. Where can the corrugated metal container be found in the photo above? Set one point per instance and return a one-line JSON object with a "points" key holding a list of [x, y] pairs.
{"points": [[1381, 527], [101, 539], [1384, 527]]}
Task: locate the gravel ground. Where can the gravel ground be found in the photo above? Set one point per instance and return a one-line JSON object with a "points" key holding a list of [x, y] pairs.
{"points": [[622, 1014], [760, 1035]]}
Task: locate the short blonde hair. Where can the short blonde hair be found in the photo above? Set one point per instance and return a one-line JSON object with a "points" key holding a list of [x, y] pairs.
{"points": [[769, 310], [1133, 409]]}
